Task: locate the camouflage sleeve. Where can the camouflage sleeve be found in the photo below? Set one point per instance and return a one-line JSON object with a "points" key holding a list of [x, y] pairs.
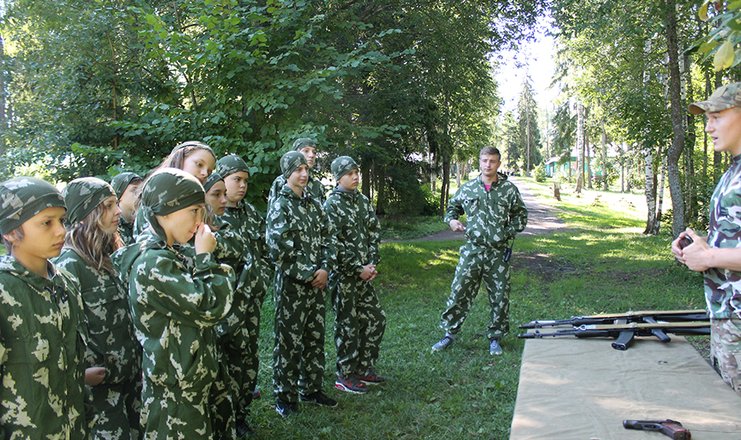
{"points": [[200, 297], [274, 190], [517, 214], [374, 232], [281, 239], [347, 261], [329, 243], [454, 209]]}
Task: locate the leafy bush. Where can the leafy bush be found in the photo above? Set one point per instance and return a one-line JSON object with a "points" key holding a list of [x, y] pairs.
{"points": [[539, 173]]}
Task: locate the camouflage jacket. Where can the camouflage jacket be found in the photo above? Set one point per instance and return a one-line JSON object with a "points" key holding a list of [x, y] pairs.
{"points": [[126, 231], [722, 286], [357, 227], [111, 342], [494, 216], [174, 307], [314, 187], [300, 239], [250, 226], [42, 349]]}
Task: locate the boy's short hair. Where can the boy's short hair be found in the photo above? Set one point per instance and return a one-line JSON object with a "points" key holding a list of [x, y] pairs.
{"points": [[16, 234], [490, 151]]}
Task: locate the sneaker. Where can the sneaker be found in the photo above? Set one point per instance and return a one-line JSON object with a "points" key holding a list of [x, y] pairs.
{"points": [[443, 343], [350, 384], [285, 409], [319, 398], [371, 378], [494, 348]]}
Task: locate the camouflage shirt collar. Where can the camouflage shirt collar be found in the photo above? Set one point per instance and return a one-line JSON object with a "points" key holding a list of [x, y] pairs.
{"points": [[345, 193], [9, 264], [501, 178]]}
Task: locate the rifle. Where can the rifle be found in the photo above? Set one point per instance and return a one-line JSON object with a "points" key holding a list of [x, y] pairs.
{"points": [[625, 332], [670, 428], [636, 316]]}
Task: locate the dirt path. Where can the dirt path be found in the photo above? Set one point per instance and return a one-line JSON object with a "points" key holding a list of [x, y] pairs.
{"points": [[541, 218]]}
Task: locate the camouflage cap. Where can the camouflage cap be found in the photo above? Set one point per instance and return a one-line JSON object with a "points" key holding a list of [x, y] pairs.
{"points": [[290, 161], [211, 180], [23, 197], [83, 195], [723, 98], [231, 164], [300, 143], [168, 190], [122, 181], [343, 165]]}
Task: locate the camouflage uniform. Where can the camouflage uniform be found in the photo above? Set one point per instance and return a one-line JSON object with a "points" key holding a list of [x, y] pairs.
{"points": [[360, 321], [175, 305], [314, 187], [494, 217], [119, 183], [723, 286], [301, 242], [41, 333]]}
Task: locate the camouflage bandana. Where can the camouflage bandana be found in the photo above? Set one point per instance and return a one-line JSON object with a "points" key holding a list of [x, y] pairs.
{"points": [[169, 190], [723, 98], [22, 198], [231, 164], [122, 181], [83, 195], [212, 179], [290, 161], [300, 143], [343, 165]]}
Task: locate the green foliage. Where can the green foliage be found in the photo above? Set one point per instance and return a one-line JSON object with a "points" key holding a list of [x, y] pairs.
{"points": [[723, 41], [539, 173]]}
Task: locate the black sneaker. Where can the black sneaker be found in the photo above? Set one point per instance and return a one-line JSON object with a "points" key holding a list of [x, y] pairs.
{"points": [[285, 409], [319, 398]]}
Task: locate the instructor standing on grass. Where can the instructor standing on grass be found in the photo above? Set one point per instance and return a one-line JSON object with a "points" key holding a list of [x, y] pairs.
{"points": [[718, 255], [495, 212]]}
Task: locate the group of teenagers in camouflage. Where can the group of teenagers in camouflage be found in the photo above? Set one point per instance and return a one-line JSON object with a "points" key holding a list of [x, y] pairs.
{"points": [[132, 309]]}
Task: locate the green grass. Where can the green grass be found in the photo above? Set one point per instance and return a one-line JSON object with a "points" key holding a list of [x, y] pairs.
{"points": [[600, 265], [407, 228]]}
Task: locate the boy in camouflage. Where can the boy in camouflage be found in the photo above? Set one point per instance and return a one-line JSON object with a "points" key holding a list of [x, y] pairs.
{"points": [[718, 255], [246, 233], [301, 244], [41, 322], [175, 306], [307, 147], [92, 216], [126, 185], [360, 321], [495, 213]]}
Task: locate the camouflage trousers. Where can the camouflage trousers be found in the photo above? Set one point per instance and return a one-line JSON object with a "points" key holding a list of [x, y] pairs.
{"points": [[116, 411], [298, 356], [477, 264], [359, 325], [171, 413], [725, 350], [222, 404]]}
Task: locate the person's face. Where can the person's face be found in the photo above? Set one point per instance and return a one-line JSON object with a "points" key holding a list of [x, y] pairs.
{"points": [[216, 198], [181, 225], [299, 178], [725, 129], [110, 216], [236, 186], [350, 180], [489, 164], [200, 163], [309, 153], [43, 237], [128, 199]]}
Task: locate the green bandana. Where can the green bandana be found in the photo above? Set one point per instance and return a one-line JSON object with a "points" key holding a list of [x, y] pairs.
{"points": [[122, 181], [342, 165], [290, 161], [169, 190], [23, 197], [231, 164], [300, 143], [83, 195], [212, 179]]}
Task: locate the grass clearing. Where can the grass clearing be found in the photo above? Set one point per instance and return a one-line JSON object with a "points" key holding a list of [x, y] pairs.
{"points": [[603, 264]]}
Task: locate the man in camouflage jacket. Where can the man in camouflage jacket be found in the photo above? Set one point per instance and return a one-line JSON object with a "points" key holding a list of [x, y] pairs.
{"points": [[307, 147], [495, 213], [718, 255], [175, 306], [302, 246], [41, 329], [360, 321]]}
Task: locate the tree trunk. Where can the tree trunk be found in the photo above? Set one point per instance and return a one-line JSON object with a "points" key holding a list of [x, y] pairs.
{"points": [[692, 187], [588, 160], [677, 116], [445, 185], [605, 185], [661, 196], [580, 147], [650, 189], [3, 87]]}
